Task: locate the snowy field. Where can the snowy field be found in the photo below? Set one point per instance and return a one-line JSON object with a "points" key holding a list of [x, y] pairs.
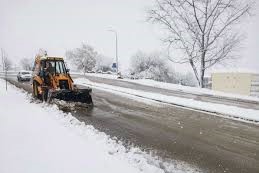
{"points": [[37, 137], [176, 87], [232, 112]]}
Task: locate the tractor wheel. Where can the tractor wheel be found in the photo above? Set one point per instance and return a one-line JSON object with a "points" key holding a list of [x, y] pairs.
{"points": [[35, 91], [45, 95]]}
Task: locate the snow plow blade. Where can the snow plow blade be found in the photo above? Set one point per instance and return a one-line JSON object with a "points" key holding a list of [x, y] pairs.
{"points": [[82, 96]]}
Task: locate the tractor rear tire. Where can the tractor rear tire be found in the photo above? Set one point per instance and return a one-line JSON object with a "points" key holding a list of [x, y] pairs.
{"points": [[35, 91]]}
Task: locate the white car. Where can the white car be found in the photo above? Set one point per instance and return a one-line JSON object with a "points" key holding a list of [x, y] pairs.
{"points": [[24, 76]]}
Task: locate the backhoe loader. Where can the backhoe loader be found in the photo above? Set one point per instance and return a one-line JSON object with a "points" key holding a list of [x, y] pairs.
{"points": [[51, 80]]}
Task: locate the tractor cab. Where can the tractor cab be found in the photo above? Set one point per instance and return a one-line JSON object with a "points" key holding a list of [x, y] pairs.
{"points": [[53, 66], [53, 73]]}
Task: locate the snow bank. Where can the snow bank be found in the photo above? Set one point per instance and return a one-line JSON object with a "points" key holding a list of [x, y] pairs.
{"points": [[37, 137], [176, 87], [100, 75], [222, 110]]}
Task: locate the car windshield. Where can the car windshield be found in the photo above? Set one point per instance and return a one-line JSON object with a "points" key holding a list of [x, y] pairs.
{"points": [[57, 67], [25, 72]]}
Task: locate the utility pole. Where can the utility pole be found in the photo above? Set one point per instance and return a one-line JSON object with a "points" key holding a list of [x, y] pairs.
{"points": [[116, 49]]}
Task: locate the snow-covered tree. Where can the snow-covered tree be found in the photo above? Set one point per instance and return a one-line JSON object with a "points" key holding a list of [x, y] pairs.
{"points": [[27, 63], [84, 58], [151, 66], [186, 79], [103, 63], [7, 63], [154, 66]]}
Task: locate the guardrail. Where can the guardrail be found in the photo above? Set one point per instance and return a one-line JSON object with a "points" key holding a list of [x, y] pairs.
{"points": [[9, 73]]}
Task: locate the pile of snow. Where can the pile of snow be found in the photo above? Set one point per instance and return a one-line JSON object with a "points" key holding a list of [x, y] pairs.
{"points": [[219, 109], [37, 137], [176, 87], [100, 75]]}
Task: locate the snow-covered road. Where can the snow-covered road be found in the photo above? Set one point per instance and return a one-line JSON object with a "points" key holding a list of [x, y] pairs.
{"points": [[184, 90], [36, 137], [238, 113]]}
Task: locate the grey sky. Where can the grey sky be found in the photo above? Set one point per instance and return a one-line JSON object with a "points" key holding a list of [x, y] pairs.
{"points": [[58, 25]]}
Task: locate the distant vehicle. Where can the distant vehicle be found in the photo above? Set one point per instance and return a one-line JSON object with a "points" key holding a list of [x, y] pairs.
{"points": [[90, 71], [24, 76]]}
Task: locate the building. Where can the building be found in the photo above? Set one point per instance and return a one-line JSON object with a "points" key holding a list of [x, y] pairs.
{"points": [[244, 83]]}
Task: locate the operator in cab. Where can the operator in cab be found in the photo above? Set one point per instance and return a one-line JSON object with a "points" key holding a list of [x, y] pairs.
{"points": [[49, 71]]}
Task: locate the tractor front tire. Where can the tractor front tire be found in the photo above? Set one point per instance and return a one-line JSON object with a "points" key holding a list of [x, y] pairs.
{"points": [[45, 95], [35, 90]]}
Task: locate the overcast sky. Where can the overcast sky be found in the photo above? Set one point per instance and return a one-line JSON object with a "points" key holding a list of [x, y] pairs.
{"points": [[59, 25]]}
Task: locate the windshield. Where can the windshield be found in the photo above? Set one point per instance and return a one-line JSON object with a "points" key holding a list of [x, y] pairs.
{"points": [[25, 73], [57, 67]]}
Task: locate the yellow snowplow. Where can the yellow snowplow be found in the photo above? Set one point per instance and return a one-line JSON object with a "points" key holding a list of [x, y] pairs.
{"points": [[51, 80]]}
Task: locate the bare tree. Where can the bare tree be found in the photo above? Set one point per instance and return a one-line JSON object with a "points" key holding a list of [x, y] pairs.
{"points": [[27, 63], [202, 30], [84, 58], [3, 59], [7, 64]]}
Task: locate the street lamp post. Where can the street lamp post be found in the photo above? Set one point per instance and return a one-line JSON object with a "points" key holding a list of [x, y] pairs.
{"points": [[116, 39]]}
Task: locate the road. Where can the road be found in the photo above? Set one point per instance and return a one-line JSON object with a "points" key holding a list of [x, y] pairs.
{"points": [[212, 143], [167, 92]]}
